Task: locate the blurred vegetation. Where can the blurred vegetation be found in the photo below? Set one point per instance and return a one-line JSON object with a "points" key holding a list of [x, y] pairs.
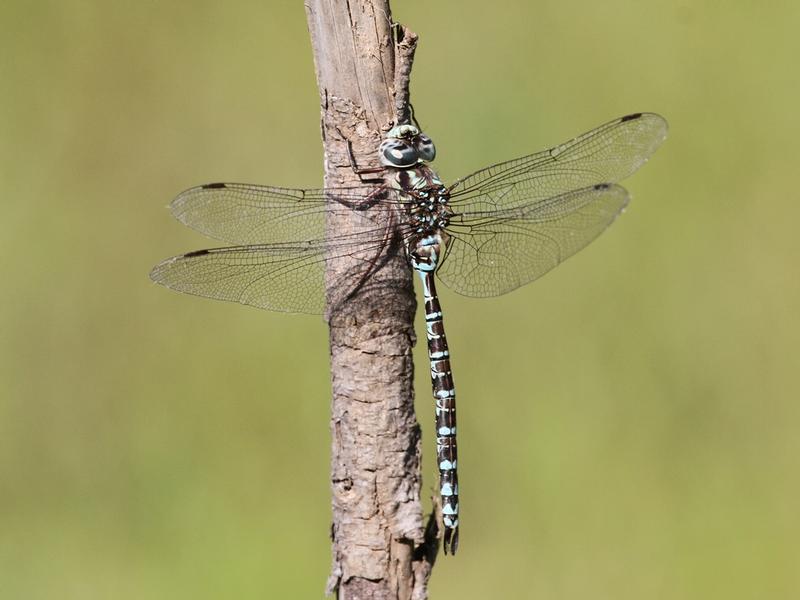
{"points": [[629, 424]]}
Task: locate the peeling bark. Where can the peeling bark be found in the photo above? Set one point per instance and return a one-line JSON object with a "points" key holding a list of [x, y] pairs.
{"points": [[381, 546]]}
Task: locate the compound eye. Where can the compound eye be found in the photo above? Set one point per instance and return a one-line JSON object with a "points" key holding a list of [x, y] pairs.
{"points": [[425, 147], [397, 153]]}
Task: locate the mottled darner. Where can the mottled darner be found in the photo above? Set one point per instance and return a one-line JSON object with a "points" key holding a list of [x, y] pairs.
{"points": [[484, 235]]}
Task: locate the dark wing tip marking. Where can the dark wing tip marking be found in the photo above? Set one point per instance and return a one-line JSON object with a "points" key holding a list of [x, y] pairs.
{"points": [[631, 117], [214, 186], [602, 186], [195, 253]]}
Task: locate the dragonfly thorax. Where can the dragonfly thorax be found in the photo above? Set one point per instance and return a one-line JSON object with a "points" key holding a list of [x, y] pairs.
{"points": [[428, 209]]}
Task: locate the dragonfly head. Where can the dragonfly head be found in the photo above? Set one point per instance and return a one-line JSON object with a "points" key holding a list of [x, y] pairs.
{"points": [[406, 146]]}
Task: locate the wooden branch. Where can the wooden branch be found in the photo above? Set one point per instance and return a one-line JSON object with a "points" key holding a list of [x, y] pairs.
{"points": [[405, 48], [381, 548]]}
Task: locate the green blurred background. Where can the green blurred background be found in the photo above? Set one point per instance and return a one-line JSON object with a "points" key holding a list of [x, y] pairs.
{"points": [[629, 424]]}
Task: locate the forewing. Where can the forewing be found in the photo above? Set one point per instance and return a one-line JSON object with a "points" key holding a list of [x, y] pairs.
{"points": [[607, 154], [252, 214], [494, 252]]}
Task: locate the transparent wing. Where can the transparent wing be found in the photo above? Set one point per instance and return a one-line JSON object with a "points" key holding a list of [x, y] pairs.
{"points": [[279, 278], [607, 154], [285, 277], [493, 252], [251, 214]]}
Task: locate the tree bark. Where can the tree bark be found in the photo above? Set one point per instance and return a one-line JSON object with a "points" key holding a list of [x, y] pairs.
{"points": [[381, 547]]}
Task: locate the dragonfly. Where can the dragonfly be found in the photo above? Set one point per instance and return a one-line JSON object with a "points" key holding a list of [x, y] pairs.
{"points": [[484, 235]]}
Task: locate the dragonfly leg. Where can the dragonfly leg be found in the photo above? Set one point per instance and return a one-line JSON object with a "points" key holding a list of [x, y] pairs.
{"points": [[354, 166], [368, 201]]}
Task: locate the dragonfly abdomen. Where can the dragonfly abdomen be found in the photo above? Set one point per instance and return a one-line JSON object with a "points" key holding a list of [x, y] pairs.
{"points": [[444, 393]]}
